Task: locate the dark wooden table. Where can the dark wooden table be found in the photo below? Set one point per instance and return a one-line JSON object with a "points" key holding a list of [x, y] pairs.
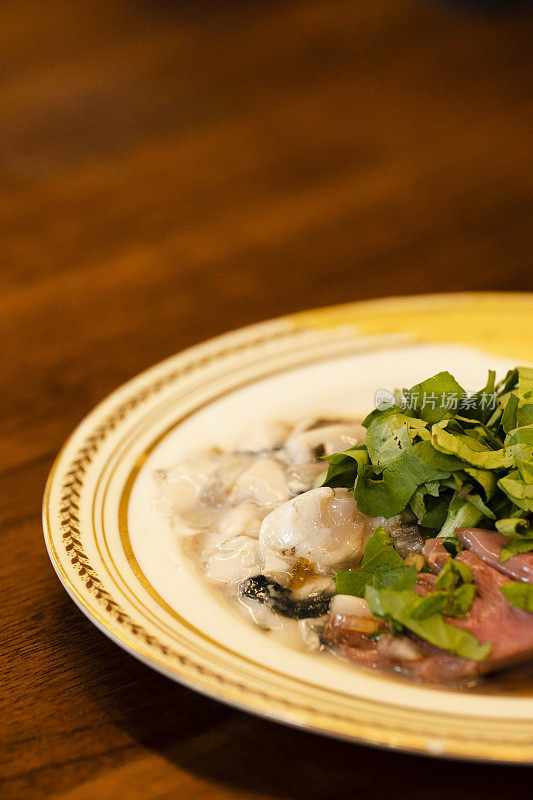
{"points": [[171, 170]]}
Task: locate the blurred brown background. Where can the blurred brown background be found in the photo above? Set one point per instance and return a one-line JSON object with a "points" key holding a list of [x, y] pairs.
{"points": [[171, 170]]}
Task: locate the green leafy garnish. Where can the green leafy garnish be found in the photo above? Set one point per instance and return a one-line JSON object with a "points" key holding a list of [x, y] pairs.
{"points": [[453, 573], [516, 526], [515, 547], [453, 459], [380, 552], [398, 606], [388, 586], [519, 594], [451, 603], [459, 601], [452, 545], [381, 567], [451, 598], [355, 581]]}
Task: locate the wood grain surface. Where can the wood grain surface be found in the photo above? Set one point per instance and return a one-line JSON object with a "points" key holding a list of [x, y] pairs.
{"points": [[172, 170]]}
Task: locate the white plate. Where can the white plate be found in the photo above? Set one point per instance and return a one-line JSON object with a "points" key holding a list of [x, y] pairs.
{"points": [[118, 560]]}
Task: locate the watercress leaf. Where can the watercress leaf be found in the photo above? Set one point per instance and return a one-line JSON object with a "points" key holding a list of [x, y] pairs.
{"points": [[451, 469], [418, 504], [522, 435], [432, 488], [455, 481], [453, 573], [478, 503], [379, 552], [522, 450], [509, 382], [524, 414], [392, 423], [493, 422], [516, 546], [398, 606], [525, 468], [461, 514], [452, 545], [352, 582], [451, 603], [387, 440], [468, 449], [377, 416], [477, 430], [519, 594], [441, 464], [375, 497], [485, 478], [517, 490], [448, 577], [459, 601], [342, 469], [433, 603], [464, 571], [480, 402], [508, 421], [345, 456], [389, 495], [339, 475], [425, 399], [401, 578], [436, 512], [512, 526], [382, 566]]}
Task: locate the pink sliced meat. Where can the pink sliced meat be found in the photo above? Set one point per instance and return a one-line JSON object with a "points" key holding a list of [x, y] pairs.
{"points": [[491, 618], [358, 647], [438, 665], [387, 651], [406, 652], [488, 546], [425, 583], [435, 554]]}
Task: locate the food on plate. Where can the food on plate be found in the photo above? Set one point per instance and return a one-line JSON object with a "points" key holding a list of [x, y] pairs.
{"points": [[403, 542]]}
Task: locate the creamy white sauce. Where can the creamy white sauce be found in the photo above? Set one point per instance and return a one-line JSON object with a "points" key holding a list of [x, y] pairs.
{"points": [[260, 510]]}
